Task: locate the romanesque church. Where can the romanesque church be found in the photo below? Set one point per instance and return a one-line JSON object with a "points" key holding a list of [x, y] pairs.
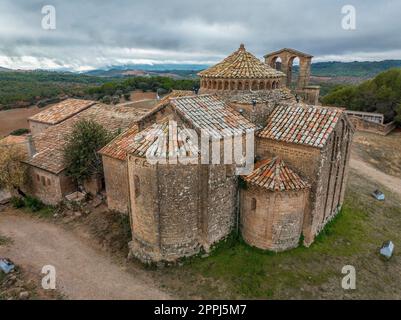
{"points": [[299, 166]]}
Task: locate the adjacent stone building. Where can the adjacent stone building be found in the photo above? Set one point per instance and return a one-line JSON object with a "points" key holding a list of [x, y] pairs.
{"points": [[57, 114], [47, 170]]}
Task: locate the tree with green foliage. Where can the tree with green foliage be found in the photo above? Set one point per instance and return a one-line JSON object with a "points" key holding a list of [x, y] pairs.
{"points": [[381, 94], [397, 118], [81, 150]]}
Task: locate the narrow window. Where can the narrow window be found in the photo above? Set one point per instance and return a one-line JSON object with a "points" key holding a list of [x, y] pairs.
{"points": [[48, 182], [137, 187], [37, 177], [43, 180], [253, 204]]}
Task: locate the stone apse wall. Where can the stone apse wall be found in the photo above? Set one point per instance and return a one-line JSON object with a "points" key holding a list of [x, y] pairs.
{"points": [[176, 210], [272, 220]]}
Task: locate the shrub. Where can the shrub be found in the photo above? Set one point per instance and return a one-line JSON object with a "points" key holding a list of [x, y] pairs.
{"points": [[19, 132], [33, 204], [17, 202]]}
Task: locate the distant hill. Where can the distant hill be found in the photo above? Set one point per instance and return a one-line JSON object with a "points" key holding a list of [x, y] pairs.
{"points": [[4, 69], [176, 71], [364, 69]]}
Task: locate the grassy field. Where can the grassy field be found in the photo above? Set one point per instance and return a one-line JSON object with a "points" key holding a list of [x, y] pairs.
{"points": [[235, 270]]}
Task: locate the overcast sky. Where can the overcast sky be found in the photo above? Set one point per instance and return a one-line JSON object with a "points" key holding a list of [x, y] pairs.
{"points": [[98, 33]]}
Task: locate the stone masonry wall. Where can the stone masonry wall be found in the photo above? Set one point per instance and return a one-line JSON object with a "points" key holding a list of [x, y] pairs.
{"points": [[180, 208], [275, 222], [116, 179], [48, 187], [37, 127]]}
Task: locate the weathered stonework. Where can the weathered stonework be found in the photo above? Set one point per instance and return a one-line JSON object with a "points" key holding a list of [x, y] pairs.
{"points": [[116, 178], [275, 221], [177, 209], [48, 187]]}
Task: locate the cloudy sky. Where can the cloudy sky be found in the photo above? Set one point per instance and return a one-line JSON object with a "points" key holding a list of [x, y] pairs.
{"points": [[99, 33]]}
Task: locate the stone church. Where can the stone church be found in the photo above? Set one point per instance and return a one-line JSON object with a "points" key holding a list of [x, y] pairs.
{"points": [[298, 170]]}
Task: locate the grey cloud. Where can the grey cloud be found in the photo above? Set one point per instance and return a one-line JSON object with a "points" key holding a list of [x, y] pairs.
{"points": [[95, 33]]}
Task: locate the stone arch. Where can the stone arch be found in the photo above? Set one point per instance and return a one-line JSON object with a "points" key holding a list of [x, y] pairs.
{"points": [[214, 85], [209, 84], [262, 85], [232, 85], [240, 85], [254, 85], [287, 57], [226, 85], [220, 85], [246, 85]]}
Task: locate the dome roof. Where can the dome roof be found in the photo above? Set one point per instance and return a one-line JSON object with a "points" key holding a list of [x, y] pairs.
{"points": [[274, 175], [241, 65]]}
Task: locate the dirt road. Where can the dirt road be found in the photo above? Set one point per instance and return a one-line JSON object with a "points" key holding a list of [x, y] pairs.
{"points": [[83, 272], [390, 182]]}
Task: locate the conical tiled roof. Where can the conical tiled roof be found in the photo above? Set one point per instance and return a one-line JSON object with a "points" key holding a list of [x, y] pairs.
{"points": [[241, 65], [274, 175]]}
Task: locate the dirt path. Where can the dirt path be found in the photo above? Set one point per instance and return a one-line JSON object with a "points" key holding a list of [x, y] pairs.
{"points": [[390, 182], [82, 271]]}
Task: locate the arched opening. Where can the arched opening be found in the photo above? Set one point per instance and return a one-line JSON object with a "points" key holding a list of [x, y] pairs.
{"points": [[220, 87], [254, 85], [240, 85], [232, 85], [246, 86], [214, 85], [226, 84], [276, 63], [293, 72], [137, 186], [261, 85], [209, 84], [253, 204]]}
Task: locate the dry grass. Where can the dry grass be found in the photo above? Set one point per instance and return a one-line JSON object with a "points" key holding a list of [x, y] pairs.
{"points": [[384, 153]]}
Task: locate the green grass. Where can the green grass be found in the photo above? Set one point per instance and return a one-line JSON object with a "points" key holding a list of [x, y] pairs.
{"points": [[34, 206], [236, 270]]}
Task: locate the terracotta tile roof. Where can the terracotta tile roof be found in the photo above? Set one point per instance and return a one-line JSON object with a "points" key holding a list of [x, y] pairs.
{"points": [[274, 175], [62, 111], [15, 141], [120, 146], [177, 94], [241, 65], [50, 143], [301, 124], [11, 140], [209, 112], [163, 140]]}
